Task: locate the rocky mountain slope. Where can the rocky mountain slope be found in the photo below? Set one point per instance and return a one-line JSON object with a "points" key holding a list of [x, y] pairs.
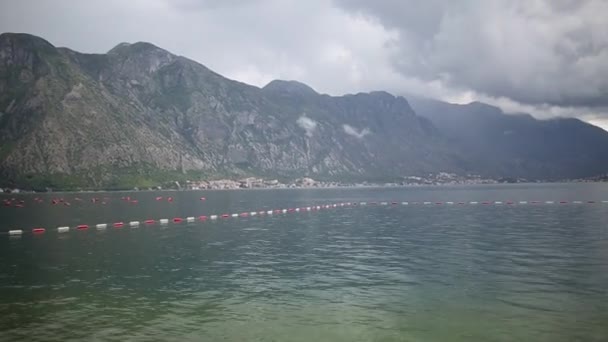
{"points": [[141, 113], [138, 115]]}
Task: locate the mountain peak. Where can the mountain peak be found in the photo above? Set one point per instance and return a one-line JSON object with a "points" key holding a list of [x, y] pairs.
{"points": [[24, 40], [137, 47], [289, 87]]}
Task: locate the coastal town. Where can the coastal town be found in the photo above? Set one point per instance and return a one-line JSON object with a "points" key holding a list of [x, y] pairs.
{"points": [[441, 178]]}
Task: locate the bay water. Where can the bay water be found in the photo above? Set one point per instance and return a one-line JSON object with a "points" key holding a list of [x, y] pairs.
{"points": [[520, 272]]}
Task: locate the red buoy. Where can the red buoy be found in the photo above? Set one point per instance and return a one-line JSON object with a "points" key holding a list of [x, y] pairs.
{"points": [[177, 219], [118, 224], [38, 230], [82, 227], [149, 221], [244, 214], [159, 198], [203, 199], [202, 218], [225, 215], [170, 199]]}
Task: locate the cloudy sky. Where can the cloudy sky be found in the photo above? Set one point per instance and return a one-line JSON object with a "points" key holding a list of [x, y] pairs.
{"points": [[545, 57]]}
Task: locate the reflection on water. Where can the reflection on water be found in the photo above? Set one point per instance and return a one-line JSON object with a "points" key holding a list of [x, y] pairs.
{"points": [[483, 273]]}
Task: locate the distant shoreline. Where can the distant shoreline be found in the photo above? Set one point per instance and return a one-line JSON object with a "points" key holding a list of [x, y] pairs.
{"points": [[302, 188]]}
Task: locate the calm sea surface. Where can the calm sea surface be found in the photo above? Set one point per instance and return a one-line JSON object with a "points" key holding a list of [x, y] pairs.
{"points": [[372, 273]]}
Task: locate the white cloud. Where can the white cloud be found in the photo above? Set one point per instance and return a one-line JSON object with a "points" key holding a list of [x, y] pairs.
{"points": [[350, 130], [308, 124]]}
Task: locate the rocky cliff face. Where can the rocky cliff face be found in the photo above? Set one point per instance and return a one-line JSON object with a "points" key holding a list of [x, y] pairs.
{"points": [[141, 110]]}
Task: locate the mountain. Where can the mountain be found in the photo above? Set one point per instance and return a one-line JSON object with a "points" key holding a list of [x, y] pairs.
{"points": [[138, 115], [517, 145]]}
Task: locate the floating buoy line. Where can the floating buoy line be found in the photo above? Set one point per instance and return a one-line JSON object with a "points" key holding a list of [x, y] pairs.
{"points": [[314, 208]]}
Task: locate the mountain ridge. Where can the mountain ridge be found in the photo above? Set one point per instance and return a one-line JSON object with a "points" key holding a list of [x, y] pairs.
{"points": [[139, 115], [527, 146]]}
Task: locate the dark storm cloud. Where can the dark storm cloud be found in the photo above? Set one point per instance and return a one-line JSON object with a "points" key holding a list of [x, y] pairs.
{"points": [[530, 51]]}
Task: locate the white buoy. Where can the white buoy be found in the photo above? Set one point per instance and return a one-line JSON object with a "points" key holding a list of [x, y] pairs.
{"points": [[163, 221], [253, 213], [213, 217], [405, 203], [449, 202], [308, 208], [498, 202], [549, 202], [101, 226], [190, 219], [269, 212], [427, 203], [297, 209], [15, 232], [235, 215], [577, 202], [63, 229], [523, 202], [474, 202], [134, 223], [362, 203], [284, 211]]}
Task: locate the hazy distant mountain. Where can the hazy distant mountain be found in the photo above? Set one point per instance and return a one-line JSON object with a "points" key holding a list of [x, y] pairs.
{"points": [[519, 145], [140, 113]]}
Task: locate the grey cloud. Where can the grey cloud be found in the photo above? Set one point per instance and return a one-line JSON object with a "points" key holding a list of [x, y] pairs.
{"points": [[544, 55], [198, 5], [533, 52]]}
